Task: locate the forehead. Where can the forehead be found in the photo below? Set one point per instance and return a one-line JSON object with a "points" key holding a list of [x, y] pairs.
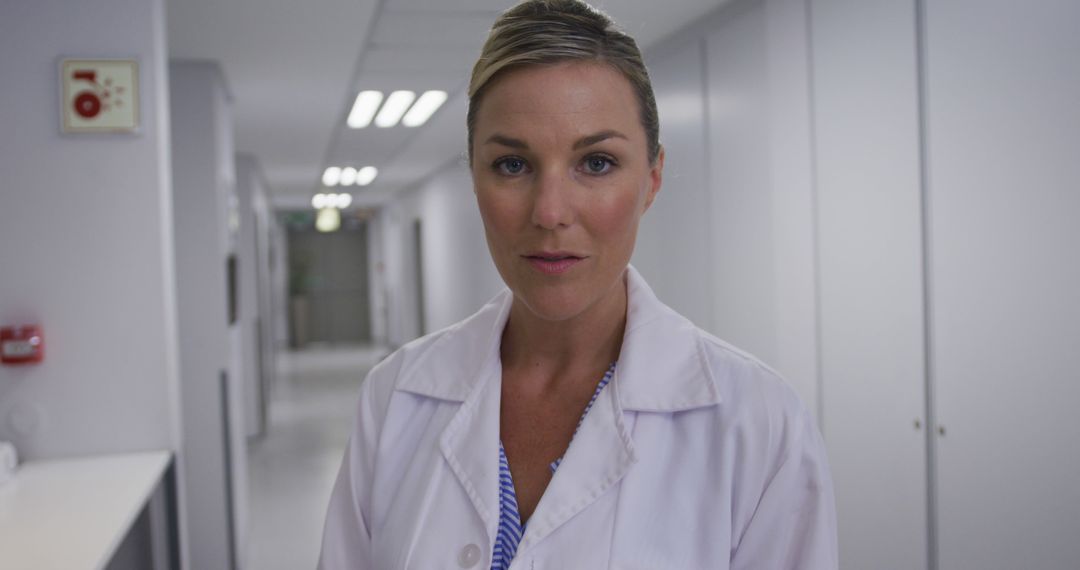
{"points": [[561, 99]]}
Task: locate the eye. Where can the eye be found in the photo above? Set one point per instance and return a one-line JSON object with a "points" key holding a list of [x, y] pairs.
{"points": [[510, 165], [598, 164]]}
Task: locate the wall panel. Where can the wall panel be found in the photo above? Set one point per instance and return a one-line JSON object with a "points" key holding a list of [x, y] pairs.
{"points": [[673, 245], [871, 288], [1003, 103], [740, 201]]}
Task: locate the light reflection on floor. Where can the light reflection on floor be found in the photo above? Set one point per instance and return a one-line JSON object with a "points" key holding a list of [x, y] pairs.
{"points": [[292, 468]]}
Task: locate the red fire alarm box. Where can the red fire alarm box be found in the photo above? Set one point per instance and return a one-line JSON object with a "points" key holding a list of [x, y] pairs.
{"points": [[21, 345]]}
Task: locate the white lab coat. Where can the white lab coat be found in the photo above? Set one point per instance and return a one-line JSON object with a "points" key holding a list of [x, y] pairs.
{"points": [[697, 456]]}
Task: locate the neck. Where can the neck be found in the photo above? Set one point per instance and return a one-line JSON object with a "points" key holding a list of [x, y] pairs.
{"points": [[549, 349]]}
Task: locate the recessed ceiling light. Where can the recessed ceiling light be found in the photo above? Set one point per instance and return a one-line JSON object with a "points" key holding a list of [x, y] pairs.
{"points": [[331, 176], [425, 106], [396, 104], [348, 176], [366, 175], [318, 201], [363, 109], [343, 201]]}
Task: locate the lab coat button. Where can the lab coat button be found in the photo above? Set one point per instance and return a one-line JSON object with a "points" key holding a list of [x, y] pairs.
{"points": [[469, 556]]}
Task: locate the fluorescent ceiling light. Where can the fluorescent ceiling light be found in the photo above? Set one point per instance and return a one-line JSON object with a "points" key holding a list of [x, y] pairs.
{"points": [[366, 175], [331, 176], [396, 104], [363, 109], [425, 106], [328, 220], [343, 201], [318, 201], [348, 176]]}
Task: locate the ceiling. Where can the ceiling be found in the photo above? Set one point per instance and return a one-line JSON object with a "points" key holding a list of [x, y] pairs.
{"points": [[294, 68]]}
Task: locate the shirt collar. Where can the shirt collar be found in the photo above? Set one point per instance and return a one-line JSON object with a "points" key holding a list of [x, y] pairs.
{"points": [[662, 365]]}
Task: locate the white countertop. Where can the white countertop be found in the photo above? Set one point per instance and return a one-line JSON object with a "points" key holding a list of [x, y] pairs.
{"points": [[71, 514]]}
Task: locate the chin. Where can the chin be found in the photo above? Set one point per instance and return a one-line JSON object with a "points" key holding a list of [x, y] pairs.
{"points": [[553, 303], [562, 301], [554, 311]]}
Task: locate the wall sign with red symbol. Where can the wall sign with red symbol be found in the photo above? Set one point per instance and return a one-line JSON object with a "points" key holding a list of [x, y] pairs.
{"points": [[99, 95], [22, 345]]}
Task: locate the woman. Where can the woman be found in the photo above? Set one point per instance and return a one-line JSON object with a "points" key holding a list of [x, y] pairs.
{"points": [[574, 421]]}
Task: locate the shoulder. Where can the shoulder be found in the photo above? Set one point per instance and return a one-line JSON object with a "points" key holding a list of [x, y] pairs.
{"points": [[782, 496], [744, 381], [762, 419], [758, 412]]}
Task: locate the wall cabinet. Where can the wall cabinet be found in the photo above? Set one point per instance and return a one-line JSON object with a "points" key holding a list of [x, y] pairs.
{"points": [[948, 202], [1002, 101]]}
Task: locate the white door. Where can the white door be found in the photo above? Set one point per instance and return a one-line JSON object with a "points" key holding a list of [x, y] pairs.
{"points": [[1003, 97], [871, 277]]}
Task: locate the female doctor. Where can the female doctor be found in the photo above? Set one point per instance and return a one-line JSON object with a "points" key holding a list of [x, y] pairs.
{"points": [[574, 422]]}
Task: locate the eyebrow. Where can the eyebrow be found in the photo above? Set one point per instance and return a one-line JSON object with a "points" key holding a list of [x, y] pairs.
{"points": [[581, 143], [506, 141], [598, 137]]}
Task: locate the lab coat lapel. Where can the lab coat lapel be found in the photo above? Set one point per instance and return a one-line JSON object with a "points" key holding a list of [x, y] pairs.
{"points": [[660, 370], [599, 456], [470, 441], [470, 445]]}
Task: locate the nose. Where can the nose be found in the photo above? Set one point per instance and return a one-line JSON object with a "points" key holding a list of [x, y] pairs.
{"points": [[552, 206]]}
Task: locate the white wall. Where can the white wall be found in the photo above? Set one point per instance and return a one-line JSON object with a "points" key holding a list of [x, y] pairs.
{"points": [[377, 281], [673, 244], [86, 228], [213, 454], [458, 271], [279, 283], [266, 229], [255, 305], [792, 193], [741, 207]]}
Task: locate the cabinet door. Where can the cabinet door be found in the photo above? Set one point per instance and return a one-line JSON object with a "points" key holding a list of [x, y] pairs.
{"points": [[1003, 102], [870, 274]]}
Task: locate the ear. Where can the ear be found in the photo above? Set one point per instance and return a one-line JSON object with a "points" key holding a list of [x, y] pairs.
{"points": [[656, 176]]}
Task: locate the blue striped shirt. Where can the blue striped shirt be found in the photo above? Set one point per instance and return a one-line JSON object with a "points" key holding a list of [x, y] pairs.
{"points": [[510, 528]]}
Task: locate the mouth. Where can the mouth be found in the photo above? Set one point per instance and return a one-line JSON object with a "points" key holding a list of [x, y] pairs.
{"points": [[553, 262]]}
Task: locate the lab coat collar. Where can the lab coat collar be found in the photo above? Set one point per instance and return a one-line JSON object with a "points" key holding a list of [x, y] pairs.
{"points": [[662, 365], [662, 362]]}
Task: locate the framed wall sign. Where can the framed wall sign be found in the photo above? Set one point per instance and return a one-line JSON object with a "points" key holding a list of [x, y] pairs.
{"points": [[99, 95]]}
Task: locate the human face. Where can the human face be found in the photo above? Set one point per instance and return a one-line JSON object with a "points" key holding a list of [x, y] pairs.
{"points": [[562, 176]]}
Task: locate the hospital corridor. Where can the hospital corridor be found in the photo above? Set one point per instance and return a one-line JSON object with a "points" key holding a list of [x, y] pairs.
{"points": [[539, 284]]}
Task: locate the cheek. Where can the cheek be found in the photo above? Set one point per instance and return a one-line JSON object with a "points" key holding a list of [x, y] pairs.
{"points": [[616, 220], [500, 216]]}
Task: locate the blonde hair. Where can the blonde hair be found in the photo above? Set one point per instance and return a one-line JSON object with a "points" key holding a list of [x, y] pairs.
{"points": [[544, 32]]}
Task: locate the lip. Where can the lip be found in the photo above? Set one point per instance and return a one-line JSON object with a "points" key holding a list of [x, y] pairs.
{"points": [[553, 262]]}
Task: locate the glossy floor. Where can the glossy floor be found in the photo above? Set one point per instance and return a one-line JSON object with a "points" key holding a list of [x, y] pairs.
{"points": [[291, 469]]}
